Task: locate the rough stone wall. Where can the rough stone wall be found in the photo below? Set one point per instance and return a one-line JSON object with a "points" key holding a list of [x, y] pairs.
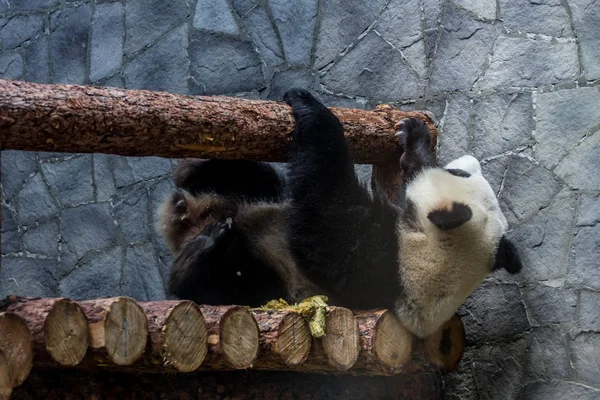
{"points": [[513, 82]]}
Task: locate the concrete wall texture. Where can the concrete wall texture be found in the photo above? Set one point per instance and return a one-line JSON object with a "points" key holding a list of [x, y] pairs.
{"points": [[513, 82]]}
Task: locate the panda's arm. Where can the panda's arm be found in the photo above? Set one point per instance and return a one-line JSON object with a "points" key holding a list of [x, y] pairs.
{"points": [[341, 238]]}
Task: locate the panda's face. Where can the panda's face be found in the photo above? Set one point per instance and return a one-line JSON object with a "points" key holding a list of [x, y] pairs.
{"points": [[454, 240], [457, 200]]}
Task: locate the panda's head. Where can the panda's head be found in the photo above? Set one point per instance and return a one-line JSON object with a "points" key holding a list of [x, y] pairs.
{"points": [[452, 237]]}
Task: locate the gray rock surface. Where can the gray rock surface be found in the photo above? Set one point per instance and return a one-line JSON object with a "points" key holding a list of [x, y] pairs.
{"points": [[70, 180], [374, 69], [69, 31], [215, 16], [585, 353], [43, 239], [461, 53], [586, 17], [548, 356], [563, 118], [496, 313], [550, 305], [580, 167], [223, 65], [16, 168], [589, 317], [526, 62], [547, 17], [295, 23], [544, 238], [99, 277], [27, 276], [85, 228], [257, 24], [106, 53], [501, 123], [34, 202], [147, 21], [341, 24], [513, 82], [11, 66], [585, 252], [163, 66], [19, 29], [589, 209], [35, 56]]}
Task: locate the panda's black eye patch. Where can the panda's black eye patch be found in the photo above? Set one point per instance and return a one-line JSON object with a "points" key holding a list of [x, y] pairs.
{"points": [[453, 218], [459, 172]]}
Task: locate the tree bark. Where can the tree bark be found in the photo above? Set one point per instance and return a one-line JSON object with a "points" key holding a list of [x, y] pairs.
{"points": [[86, 119]]}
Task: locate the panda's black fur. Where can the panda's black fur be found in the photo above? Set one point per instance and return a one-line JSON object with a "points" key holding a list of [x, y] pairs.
{"points": [[242, 234]]}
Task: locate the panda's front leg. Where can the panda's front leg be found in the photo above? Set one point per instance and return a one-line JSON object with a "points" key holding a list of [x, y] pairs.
{"points": [[319, 157], [416, 141], [196, 266]]}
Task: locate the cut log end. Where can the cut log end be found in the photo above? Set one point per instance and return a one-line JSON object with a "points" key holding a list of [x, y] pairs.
{"points": [[185, 337], [125, 331], [342, 341], [392, 342], [239, 337], [294, 340], [5, 382], [16, 343], [446, 346], [66, 332]]}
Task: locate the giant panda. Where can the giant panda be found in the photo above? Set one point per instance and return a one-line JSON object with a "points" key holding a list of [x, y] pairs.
{"points": [[243, 234]]}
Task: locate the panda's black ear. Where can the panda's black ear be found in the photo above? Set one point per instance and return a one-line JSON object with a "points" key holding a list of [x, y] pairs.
{"points": [[507, 257]]}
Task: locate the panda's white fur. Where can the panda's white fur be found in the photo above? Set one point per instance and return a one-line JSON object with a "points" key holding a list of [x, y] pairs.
{"points": [[440, 268]]}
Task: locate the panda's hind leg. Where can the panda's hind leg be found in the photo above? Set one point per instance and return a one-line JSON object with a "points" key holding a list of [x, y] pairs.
{"points": [[250, 180]]}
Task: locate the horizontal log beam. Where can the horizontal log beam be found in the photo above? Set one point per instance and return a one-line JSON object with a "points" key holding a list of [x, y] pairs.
{"points": [[87, 119], [180, 336]]}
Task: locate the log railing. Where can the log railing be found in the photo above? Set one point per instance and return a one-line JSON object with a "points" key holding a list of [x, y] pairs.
{"points": [[118, 334]]}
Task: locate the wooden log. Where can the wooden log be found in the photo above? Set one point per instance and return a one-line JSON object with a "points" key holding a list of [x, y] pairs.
{"points": [[446, 346], [341, 344], [224, 385], [118, 330], [184, 337], [385, 344], [86, 119], [339, 349], [233, 337], [285, 339], [177, 334], [5, 381], [16, 344], [59, 328]]}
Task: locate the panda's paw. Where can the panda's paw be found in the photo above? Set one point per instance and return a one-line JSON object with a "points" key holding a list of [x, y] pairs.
{"points": [[221, 232], [315, 124], [179, 204], [412, 132], [305, 106]]}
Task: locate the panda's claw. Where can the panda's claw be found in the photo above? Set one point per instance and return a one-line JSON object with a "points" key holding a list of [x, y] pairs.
{"points": [[179, 203]]}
